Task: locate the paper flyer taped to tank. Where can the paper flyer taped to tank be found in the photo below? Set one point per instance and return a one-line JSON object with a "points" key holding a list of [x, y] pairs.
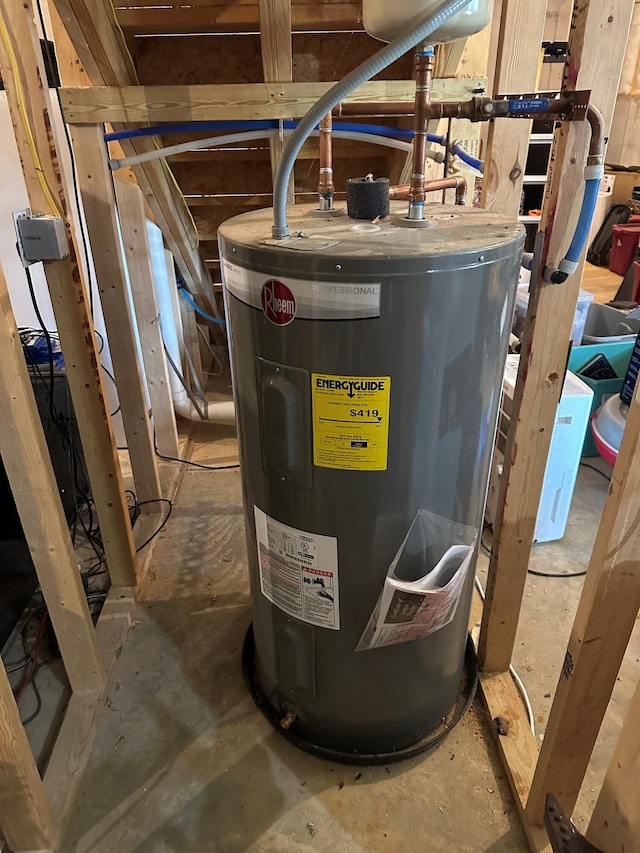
{"points": [[410, 609]]}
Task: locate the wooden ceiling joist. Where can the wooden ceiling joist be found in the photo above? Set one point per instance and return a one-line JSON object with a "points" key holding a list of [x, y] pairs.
{"points": [[100, 45], [233, 18]]}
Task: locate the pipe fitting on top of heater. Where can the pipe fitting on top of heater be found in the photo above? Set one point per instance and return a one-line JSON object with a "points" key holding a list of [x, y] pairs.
{"points": [[326, 186], [413, 35], [425, 61], [593, 176], [456, 182]]}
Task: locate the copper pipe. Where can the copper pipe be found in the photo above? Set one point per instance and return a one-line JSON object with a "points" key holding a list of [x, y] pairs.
{"points": [[458, 183], [371, 108], [326, 186], [425, 62], [473, 109]]}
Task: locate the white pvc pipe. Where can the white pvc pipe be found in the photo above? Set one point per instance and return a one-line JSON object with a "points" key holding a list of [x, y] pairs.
{"points": [[220, 412], [250, 135]]}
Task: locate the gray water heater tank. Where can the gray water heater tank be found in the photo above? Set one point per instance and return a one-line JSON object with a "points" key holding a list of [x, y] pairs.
{"points": [[367, 365]]}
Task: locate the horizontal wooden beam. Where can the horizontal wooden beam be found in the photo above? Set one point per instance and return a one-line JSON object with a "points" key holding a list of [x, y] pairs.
{"points": [[231, 18], [141, 104]]}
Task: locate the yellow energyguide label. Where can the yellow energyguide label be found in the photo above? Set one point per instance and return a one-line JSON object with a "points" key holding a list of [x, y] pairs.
{"points": [[350, 421]]}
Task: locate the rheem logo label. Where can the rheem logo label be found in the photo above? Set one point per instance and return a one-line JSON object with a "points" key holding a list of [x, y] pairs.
{"points": [[278, 303]]}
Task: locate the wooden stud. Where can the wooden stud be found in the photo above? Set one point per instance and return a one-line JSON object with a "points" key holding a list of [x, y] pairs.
{"points": [[626, 121], [277, 65], [603, 624], [102, 49], [98, 199], [547, 333], [615, 822], [517, 65], [140, 104], [68, 291], [133, 223], [25, 454], [26, 820]]}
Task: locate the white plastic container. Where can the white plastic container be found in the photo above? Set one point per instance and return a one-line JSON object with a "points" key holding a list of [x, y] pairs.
{"points": [[606, 324], [571, 424], [582, 308], [385, 20]]}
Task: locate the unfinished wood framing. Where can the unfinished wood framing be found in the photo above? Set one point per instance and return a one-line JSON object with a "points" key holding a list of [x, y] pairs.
{"points": [[611, 595], [140, 104], [98, 200], [623, 142], [517, 64], [516, 744], [277, 64], [612, 586], [27, 821], [603, 624], [67, 288], [99, 43], [25, 454], [133, 223], [615, 822], [547, 334]]}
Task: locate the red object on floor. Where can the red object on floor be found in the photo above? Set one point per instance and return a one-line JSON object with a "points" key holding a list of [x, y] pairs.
{"points": [[636, 282], [625, 240], [608, 453]]}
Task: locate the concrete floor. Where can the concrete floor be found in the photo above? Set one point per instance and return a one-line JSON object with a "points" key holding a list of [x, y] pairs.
{"points": [[184, 762]]}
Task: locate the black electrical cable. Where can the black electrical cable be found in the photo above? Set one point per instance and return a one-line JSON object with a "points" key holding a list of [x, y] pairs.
{"points": [[597, 470], [164, 520], [115, 384], [38, 707], [543, 574], [47, 336], [77, 463], [11, 668], [556, 574], [229, 467], [57, 419]]}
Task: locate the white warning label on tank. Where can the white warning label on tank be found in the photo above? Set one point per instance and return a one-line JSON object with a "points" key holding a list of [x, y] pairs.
{"points": [[298, 571]]}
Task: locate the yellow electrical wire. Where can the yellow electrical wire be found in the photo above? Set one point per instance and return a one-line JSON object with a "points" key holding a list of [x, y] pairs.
{"points": [[113, 19], [195, 242], [22, 108]]}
